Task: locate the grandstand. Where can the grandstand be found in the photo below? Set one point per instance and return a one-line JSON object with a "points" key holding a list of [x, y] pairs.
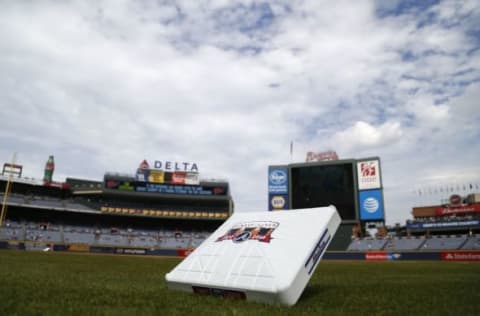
{"points": [[452, 226], [152, 209]]}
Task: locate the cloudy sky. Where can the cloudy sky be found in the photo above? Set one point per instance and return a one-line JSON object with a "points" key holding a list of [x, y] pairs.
{"points": [[228, 85]]}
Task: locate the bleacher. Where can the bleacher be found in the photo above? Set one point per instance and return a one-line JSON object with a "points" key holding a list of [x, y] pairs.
{"points": [[405, 243], [443, 243], [420, 243], [472, 243], [366, 244], [39, 235]]}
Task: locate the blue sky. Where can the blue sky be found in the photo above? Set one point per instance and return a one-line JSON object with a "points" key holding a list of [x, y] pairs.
{"points": [[228, 84]]}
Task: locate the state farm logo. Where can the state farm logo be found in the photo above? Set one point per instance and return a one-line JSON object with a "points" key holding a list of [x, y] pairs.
{"points": [[278, 177], [368, 173], [368, 169]]}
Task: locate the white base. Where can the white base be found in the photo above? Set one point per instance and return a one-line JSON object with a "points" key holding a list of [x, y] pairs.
{"points": [[241, 259]]}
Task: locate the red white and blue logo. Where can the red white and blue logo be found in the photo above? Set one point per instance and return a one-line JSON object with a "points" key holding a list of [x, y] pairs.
{"points": [[258, 230]]}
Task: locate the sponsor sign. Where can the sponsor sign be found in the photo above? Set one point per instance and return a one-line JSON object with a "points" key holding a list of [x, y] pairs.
{"points": [[382, 256], [278, 202], [78, 247], [183, 252], [278, 180], [130, 251], [156, 176], [173, 166], [322, 156], [178, 177], [474, 208], [371, 205], [258, 230], [458, 224], [368, 172], [180, 189], [192, 178], [460, 255], [142, 175]]}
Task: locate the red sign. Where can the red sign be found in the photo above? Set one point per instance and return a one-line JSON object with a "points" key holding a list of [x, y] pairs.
{"points": [[322, 156], [460, 255], [368, 169], [376, 256], [179, 177], [144, 165], [474, 208], [184, 252]]}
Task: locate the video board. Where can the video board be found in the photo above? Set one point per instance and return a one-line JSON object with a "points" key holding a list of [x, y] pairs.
{"points": [[314, 185]]}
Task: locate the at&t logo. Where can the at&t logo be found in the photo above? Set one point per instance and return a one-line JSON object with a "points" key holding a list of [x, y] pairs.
{"points": [[371, 204]]}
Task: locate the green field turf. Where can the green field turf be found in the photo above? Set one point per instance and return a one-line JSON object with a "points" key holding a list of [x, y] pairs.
{"points": [[37, 283]]}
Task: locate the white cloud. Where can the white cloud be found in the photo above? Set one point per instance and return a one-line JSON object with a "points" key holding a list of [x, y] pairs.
{"points": [[363, 134]]}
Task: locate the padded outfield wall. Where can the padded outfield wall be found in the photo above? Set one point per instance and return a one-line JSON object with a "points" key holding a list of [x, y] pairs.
{"points": [[446, 255]]}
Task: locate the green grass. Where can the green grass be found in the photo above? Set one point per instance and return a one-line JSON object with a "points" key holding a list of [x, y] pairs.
{"points": [[37, 283]]}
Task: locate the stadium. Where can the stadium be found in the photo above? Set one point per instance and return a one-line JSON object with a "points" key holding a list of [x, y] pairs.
{"points": [[153, 211], [167, 210]]}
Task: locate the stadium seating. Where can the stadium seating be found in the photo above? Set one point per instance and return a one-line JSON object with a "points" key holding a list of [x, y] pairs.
{"points": [[405, 243], [443, 243], [434, 243], [472, 243], [366, 244], [38, 235]]}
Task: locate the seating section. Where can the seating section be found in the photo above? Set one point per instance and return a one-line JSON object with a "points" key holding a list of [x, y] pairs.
{"points": [[41, 234], [366, 244], [472, 243], [443, 243], [406, 243], [434, 243], [44, 234]]}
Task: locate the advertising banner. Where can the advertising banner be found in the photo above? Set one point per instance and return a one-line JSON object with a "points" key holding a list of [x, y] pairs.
{"points": [[183, 252], [453, 224], [192, 178], [178, 177], [322, 156], [460, 255], [368, 172], [180, 189], [278, 180], [371, 205], [156, 176], [142, 175], [474, 208], [382, 256], [277, 202]]}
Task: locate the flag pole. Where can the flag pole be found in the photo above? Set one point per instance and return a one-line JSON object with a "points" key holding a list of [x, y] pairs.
{"points": [[291, 151]]}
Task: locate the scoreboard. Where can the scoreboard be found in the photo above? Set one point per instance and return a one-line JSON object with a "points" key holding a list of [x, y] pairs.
{"points": [[353, 186], [324, 184]]}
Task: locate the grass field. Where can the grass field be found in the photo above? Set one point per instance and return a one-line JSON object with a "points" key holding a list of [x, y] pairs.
{"points": [[37, 283]]}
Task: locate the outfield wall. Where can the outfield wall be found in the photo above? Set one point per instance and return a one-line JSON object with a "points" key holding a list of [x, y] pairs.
{"points": [[445, 255]]}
